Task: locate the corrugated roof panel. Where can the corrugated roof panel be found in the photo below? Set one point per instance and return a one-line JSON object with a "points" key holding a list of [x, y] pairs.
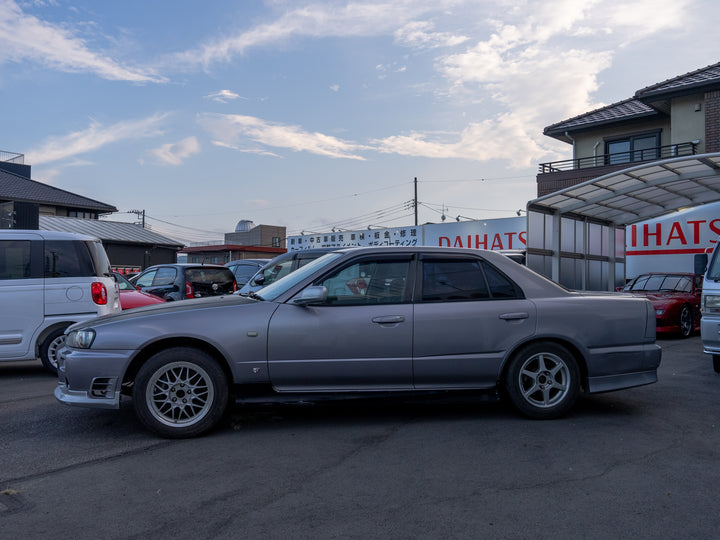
{"points": [[107, 230], [657, 189]]}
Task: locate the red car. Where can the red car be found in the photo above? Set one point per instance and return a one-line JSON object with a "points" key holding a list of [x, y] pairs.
{"points": [[675, 297], [130, 297]]}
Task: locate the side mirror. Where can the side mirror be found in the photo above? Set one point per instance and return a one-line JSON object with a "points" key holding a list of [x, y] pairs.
{"points": [[701, 260], [259, 279], [311, 295]]}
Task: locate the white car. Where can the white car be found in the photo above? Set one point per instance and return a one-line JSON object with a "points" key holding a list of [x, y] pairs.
{"points": [[48, 281]]}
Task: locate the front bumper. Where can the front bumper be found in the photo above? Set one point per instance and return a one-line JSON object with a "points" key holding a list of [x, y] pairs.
{"points": [[710, 332], [83, 399], [89, 378]]}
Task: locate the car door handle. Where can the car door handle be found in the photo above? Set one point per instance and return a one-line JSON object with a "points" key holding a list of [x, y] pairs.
{"points": [[388, 319], [514, 316]]}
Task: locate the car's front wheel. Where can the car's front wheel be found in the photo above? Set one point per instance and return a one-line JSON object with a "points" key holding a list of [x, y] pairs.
{"points": [[686, 321], [543, 380], [180, 392]]}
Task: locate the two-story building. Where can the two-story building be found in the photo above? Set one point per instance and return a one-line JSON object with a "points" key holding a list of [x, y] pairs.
{"points": [[643, 158]]}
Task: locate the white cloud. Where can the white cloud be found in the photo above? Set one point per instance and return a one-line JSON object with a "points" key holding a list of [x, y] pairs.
{"points": [[418, 34], [175, 153], [228, 129], [335, 87], [223, 96], [317, 21], [26, 38], [94, 137]]}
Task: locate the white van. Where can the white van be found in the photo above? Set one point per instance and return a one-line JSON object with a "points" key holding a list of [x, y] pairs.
{"points": [[48, 281], [710, 306]]}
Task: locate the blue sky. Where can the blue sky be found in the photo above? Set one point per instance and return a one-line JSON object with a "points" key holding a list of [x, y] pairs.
{"points": [[315, 115]]}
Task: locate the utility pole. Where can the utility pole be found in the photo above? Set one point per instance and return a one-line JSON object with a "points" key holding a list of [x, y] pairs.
{"points": [[140, 214], [415, 204]]}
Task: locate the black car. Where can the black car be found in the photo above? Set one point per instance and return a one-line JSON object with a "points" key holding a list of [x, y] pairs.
{"points": [[244, 269], [181, 281]]}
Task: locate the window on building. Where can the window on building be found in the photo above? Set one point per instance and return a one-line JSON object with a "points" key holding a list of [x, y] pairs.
{"points": [[634, 148]]}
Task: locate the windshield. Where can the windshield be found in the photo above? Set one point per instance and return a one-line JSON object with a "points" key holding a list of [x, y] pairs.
{"points": [[123, 283], [713, 271], [275, 289]]}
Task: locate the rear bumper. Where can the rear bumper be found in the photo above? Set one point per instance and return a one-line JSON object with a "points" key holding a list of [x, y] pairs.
{"points": [[610, 369]]}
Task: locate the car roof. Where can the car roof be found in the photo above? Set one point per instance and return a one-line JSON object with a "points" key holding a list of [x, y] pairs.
{"points": [[47, 235]]}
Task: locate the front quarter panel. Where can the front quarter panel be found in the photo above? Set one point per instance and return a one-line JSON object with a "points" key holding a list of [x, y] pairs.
{"points": [[237, 331]]}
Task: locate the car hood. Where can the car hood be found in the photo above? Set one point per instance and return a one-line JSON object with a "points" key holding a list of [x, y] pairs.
{"points": [[169, 307]]}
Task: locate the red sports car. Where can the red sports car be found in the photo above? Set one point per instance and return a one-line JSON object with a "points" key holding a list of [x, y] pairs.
{"points": [[675, 297], [130, 297]]}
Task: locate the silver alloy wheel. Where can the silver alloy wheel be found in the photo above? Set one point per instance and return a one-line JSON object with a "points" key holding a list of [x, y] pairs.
{"points": [[179, 394], [55, 346], [544, 380]]}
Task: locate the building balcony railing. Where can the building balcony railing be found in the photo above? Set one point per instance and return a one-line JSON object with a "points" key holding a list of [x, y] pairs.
{"points": [[12, 157], [634, 156]]}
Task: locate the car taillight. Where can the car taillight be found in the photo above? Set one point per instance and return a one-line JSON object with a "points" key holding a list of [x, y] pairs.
{"points": [[189, 293], [234, 286], [99, 293]]}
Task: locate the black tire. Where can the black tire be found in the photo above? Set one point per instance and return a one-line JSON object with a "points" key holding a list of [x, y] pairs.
{"points": [[180, 392], [543, 380], [49, 349], [685, 321], [716, 362]]}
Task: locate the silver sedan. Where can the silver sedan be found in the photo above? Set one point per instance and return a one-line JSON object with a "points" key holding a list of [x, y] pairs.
{"points": [[364, 322]]}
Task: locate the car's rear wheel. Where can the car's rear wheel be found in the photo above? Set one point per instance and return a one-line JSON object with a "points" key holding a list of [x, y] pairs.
{"points": [[716, 362], [543, 380], [686, 321], [49, 349], [180, 392]]}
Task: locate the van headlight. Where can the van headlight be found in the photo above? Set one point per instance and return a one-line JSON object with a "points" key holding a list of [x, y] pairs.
{"points": [[711, 303], [80, 339]]}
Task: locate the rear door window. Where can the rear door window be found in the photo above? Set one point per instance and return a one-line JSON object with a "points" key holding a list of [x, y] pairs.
{"points": [[165, 276], [67, 258]]}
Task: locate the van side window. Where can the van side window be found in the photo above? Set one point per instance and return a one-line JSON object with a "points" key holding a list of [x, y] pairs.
{"points": [[67, 258], [14, 259]]}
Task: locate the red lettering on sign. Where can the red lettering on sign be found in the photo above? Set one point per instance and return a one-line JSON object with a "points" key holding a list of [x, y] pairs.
{"points": [[696, 229], [458, 242], [714, 226], [478, 243], [522, 237], [647, 234], [676, 232], [442, 241], [497, 242]]}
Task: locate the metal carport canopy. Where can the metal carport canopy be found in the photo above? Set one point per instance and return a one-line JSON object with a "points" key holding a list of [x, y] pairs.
{"points": [[639, 193]]}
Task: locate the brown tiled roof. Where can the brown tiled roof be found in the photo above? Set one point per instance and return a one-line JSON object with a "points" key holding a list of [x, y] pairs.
{"points": [[622, 110], [705, 77], [637, 107], [18, 188]]}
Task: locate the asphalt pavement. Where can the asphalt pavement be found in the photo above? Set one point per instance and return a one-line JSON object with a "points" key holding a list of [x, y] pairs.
{"points": [[640, 463]]}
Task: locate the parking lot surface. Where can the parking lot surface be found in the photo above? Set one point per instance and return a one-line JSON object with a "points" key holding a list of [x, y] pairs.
{"points": [[642, 463]]}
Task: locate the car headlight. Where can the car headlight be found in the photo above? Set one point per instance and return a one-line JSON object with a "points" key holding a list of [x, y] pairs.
{"points": [[659, 311], [711, 303], [80, 339]]}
